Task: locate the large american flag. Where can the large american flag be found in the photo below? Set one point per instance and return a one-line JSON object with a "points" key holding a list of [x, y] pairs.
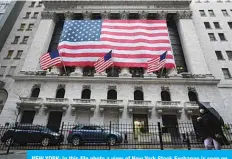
{"points": [[134, 42]]}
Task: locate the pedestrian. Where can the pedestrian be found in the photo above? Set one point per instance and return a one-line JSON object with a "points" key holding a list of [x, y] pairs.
{"points": [[211, 130]]}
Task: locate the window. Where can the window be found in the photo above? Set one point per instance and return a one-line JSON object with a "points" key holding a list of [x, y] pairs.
{"points": [[211, 13], [202, 13], [22, 27], [27, 15], [2, 70], [229, 54], [40, 4], [30, 26], [32, 4], [219, 55], [19, 54], [16, 40], [207, 25], [35, 15], [222, 37], [10, 53], [25, 39], [225, 13], [212, 37], [230, 24], [1, 14], [226, 73], [217, 25], [11, 71]]}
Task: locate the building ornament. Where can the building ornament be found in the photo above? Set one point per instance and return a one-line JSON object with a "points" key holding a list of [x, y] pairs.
{"points": [[86, 87], [184, 14], [87, 15], [112, 88], [69, 15], [61, 86], [143, 15], [124, 15], [165, 88], [36, 86], [162, 15], [140, 88], [49, 15], [193, 89], [105, 15]]}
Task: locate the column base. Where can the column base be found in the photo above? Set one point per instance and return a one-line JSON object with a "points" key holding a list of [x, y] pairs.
{"points": [[76, 74], [53, 72], [101, 74], [150, 75]]}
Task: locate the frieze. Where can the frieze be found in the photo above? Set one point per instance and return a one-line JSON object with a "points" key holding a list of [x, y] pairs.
{"points": [[49, 15], [184, 14]]}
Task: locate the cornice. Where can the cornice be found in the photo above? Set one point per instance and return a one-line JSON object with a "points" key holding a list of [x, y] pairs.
{"points": [[184, 81], [105, 4]]}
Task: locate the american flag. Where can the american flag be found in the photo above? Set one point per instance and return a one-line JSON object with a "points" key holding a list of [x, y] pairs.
{"points": [[50, 59], [134, 42], [157, 63], [104, 62]]}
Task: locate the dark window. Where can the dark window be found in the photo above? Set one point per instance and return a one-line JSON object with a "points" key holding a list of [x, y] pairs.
{"points": [[226, 73], [16, 40], [138, 95], [66, 71], [54, 120], [88, 71], [211, 13], [32, 4], [25, 39], [35, 92], [219, 55], [192, 96], [217, 25], [40, 4], [60, 93], [212, 37], [30, 26], [22, 27], [112, 94], [165, 96], [202, 12], [9, 54], [207, 25], [19, 54], [222, 37], [27, 117], [27, 15], [229, 54], [35, 15], [112, 72], [114, 16], [225, 13], [96, 16], [86, 94], [137, 72], [133, 16], [230, 24]]}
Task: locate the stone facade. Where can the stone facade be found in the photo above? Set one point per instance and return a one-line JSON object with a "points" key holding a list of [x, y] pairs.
{"points": [[204, 76]]}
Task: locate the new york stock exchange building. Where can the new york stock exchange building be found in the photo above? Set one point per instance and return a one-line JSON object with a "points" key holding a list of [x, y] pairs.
{"points": [[200, 37]]}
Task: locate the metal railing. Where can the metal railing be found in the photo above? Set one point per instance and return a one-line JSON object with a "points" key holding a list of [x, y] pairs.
{"points": [[110, 136]]}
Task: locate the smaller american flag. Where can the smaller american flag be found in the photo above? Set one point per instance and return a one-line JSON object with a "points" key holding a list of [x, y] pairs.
{"points": [[157, 63], [49, 59], [104, 62]]}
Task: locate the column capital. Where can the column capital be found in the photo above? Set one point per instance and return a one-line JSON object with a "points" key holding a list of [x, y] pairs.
{"points": [[86, 15], [69, 15], [143, 15], [124, 15], [49, 15], [162, 15], [184, 15], [105, 15]]}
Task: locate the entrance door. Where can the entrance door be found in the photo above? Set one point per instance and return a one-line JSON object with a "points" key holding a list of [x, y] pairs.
{"points": [[195, 126], [54, 120], [142, 120], [27, 117], [170, 122]]}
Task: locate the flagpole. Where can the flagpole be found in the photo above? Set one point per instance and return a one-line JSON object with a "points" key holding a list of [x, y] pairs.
{"points": [[64, 66]]}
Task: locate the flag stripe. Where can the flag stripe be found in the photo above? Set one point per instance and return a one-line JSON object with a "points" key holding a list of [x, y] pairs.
{"points": [[46, 61]]}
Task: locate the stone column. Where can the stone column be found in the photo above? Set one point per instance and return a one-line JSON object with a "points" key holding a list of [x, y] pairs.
{"points": [[193, 52], [86, 15], [125, 72], [41, 41]]}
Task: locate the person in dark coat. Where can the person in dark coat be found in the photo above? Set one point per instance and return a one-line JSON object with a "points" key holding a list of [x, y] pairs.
{"points": [[211, 130]]}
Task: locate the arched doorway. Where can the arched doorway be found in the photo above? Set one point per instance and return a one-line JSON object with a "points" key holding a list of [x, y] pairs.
{"points": [[138, 95], [112, 94], [86, 94], [3, 97], [192, 96], [165, 96], [35, 92], [60, 93]]}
